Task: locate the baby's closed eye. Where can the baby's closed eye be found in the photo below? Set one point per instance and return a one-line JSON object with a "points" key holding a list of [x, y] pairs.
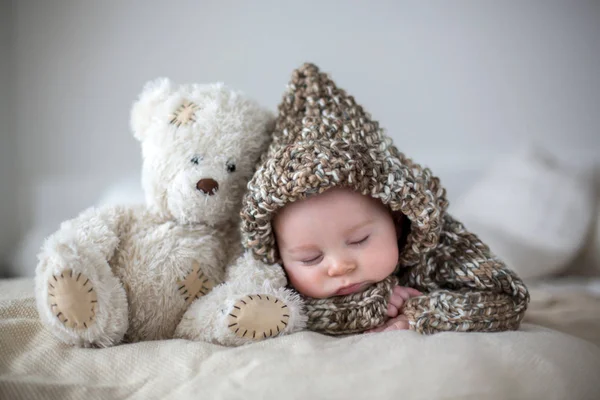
{"points": [[310, 260], [360, 241]]}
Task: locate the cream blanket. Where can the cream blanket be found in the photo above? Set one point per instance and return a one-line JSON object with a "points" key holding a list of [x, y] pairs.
{"points": [[570, 305], [534, 363]]}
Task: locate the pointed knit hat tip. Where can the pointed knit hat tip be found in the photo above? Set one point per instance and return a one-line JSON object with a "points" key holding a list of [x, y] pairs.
{"points": [[314, 108]]}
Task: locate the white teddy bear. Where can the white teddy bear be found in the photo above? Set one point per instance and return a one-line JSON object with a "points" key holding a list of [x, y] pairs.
{"points": [[130, 273]]}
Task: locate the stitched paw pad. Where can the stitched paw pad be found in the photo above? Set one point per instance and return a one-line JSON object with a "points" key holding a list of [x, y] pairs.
{"points": [[73, 299], [258, 316], [195, 284]]}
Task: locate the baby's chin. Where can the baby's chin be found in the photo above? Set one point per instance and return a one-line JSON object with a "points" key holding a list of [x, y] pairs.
{"points": [[312, 294]]}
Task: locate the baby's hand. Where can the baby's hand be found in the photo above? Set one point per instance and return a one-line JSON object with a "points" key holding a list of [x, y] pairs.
{"points": [[399, 296], [399, 323]]}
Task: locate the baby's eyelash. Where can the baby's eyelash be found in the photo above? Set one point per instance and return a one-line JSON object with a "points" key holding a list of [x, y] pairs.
{"points": [[311, 261], [362, 240]]}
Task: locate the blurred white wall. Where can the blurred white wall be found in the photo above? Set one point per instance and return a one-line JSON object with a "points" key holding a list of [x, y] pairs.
{"points": [[9, 231], [455, 83]]}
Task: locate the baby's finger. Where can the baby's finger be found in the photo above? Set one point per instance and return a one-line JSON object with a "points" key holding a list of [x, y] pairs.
{"points": [[400, 323], [392, 311], [396, 298], [413, 292], [397, 326], [407, 292]]}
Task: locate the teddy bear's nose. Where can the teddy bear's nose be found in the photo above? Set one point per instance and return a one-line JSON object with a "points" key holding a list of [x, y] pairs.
{"points": [[207, 186]]}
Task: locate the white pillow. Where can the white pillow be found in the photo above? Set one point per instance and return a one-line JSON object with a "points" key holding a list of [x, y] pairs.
{"points": [[533, 212], [588, 263]]}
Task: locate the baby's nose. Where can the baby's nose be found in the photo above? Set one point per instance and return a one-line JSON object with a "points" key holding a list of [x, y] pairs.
{"points": [[341, 268]]}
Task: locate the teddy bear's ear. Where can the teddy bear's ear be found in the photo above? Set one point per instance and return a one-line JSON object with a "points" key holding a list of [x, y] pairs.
{"points": [[154, 93]]}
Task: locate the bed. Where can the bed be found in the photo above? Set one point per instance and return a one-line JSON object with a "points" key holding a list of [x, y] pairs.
{"points": [[555, 355]]}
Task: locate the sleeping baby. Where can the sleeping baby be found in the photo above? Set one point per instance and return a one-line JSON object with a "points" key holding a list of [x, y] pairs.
{"points": [[339, 243], [362, 231]]}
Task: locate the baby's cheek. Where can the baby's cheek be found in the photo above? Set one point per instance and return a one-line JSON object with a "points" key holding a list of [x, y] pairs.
{"points": [[386, 260], [306, 281]]}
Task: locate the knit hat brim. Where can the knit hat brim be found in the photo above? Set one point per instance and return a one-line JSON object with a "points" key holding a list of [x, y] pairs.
{"points": [[306, 168]]}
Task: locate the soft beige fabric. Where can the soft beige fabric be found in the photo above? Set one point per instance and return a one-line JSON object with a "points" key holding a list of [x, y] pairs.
{"points": [[539, 232], [569, 305], [533, 363]]}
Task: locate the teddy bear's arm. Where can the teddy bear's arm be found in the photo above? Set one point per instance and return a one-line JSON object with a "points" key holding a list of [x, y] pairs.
{"points": [[99, 229], [253, 304]]}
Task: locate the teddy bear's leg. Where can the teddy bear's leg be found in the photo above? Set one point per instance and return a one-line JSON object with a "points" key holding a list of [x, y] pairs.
{"points": [[253, 304], [78, 297], [259, 316], [81, 301], [73, 299]]}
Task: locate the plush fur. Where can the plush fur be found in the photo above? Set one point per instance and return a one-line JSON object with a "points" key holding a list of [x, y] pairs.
{"points": [[140, 260], [247, 277]]}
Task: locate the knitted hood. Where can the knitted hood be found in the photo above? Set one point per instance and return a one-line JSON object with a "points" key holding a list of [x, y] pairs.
{"points": [[324, 139]]}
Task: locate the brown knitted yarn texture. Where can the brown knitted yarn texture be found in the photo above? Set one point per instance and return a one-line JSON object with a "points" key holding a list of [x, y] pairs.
{"points": [[469, 289], [353, 313], [324, 139]]}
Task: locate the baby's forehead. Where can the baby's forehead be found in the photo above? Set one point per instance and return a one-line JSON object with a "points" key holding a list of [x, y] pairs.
{"points": [[342, 205]]}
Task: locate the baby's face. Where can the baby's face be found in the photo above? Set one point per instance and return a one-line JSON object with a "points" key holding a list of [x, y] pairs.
{"points": [[336, 243]]}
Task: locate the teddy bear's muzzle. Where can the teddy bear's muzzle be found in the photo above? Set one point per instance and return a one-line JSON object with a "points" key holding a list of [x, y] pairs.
{"points": [[207, 186]]}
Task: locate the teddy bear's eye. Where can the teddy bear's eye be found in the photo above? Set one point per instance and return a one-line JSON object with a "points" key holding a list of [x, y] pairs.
{"points": [[230, 166], [196, 160]]}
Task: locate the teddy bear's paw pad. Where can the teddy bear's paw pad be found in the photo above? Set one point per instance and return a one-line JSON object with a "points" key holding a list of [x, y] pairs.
{"points": [[73, 299], [195, 284], [258, 316]]}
